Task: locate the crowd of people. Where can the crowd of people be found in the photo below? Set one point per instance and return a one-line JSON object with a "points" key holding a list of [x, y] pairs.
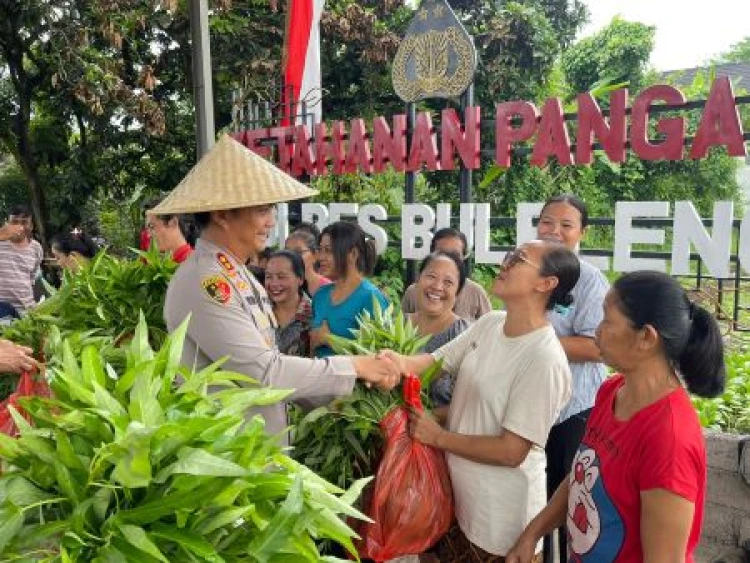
{"points": [[537, 437]]}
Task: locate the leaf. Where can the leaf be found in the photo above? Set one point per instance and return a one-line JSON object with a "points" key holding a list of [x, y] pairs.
{"points": [[134, 466], [106, 403], [93, 369], [65, 452], [493, 173], [221, 519], [192, 461], [137, 537], [239, 402], [175, 344], [144, 405], [168, 503], [11, 522], [21, 492], [189, 541], [102, 499], [275, 536]]}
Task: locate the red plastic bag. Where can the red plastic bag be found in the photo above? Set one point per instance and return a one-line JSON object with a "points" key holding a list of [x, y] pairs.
{"points": [[412, 501], [30, 384]]}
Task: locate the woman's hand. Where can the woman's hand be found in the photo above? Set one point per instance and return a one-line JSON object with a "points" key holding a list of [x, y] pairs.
{"points": [[319, 336], [397, 359], [376, 371], [523, 551], [424, 428], [10, 231]]}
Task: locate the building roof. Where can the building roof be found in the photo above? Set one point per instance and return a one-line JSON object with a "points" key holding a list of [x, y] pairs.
{"points": [[739, 73]]}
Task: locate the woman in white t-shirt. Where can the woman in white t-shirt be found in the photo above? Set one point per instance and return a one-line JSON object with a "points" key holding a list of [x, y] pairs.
{"points": [[512, 381]]}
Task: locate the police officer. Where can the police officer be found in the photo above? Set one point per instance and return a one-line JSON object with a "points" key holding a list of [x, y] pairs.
{"points": [[233, 193]]}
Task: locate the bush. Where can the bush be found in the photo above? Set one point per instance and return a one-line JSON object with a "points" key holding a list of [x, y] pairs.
{"points": [[731, 411]]}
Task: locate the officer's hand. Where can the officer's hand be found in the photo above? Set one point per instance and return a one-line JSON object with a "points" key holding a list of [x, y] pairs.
{"points": [[15, 358], [397, 359], [378, 371]]}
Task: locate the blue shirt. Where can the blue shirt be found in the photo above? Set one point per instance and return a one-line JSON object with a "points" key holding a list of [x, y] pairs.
{"points": [[581, 319], [342, 317]]}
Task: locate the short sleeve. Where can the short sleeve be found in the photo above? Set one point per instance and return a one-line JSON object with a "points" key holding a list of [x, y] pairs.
{"points": [[536, 398], [674, 461], [588, 307]]}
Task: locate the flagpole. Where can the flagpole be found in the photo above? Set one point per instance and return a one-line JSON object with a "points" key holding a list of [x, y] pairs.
{"points": [[203, 96]]}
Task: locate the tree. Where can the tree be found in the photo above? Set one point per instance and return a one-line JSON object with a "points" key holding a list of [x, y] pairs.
{"points": [[95, 96], [619, 52], [737, 53], [65, 53]]}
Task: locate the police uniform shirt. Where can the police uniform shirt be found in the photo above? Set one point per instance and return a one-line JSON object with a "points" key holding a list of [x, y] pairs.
{"points": [[231, 316]]}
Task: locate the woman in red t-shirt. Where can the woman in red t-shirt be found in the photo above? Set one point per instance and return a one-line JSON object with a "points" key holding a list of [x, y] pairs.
{"points": [[637, 486], [171, 232]]}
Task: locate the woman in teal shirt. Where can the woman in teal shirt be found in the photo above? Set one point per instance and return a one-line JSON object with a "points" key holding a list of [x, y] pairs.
{"points": [[346, 257]]}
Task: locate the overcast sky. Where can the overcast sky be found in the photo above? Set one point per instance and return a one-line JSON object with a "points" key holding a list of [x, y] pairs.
{"points": [[687, 33]]}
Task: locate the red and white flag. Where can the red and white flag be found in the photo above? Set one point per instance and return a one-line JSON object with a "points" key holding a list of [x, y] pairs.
{"points": [[302, 57]]}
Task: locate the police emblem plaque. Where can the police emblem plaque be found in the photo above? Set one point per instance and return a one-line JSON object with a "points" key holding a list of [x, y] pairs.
{"points": [[437, 57]]}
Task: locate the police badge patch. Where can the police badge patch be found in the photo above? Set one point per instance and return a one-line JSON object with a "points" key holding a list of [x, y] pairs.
{"points": [[217, 289]]}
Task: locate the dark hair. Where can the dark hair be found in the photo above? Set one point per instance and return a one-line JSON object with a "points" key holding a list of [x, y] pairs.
{"points": [[346, 236], [573, 201], [307, 237], [305, 227], [258, 272], [449, 232], [202, 219], [451, 256], [68, 243], [562, 263], [186, 223], [692, 338], [20, 210], [295, 260]]}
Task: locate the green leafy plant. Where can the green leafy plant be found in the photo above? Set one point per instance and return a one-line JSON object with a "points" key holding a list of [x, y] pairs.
{"points": [[342, 442], [97, 305], [145, 466], [731, 411]]}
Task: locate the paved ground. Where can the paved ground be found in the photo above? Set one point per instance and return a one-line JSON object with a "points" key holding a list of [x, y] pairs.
{"points": [[713, 554]]}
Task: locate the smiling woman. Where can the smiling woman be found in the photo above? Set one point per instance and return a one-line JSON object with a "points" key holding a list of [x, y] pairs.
{"points": [[346, 256], [441, 278], [285, 276], [512, 380]]}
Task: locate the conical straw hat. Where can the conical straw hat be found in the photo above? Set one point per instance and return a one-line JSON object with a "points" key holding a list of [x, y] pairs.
{"points": [[230, 176]]}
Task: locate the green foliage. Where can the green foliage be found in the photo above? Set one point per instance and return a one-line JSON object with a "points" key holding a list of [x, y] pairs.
{"points": [[144, 465], [619, 51], [12, 187], [731, 411], [342, 442], [737, 53], [98, 303], [518, 48]]}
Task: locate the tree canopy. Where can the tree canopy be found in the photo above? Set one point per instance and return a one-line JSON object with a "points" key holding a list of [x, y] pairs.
{"points": [[96, 106]]}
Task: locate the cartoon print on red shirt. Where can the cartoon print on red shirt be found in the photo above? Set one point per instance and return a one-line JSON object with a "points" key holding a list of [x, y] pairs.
{"points": [[589, 510]]}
